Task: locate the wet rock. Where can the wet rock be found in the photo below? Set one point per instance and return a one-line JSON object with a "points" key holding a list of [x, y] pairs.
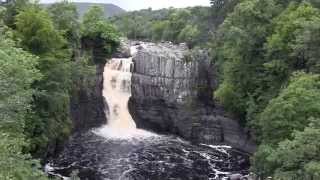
{"points": [[209, 131]]}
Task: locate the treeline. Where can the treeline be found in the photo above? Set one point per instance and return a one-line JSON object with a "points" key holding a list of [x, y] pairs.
{"points": [[194, 25], [268, 54], [190, 25], [45, 56]]}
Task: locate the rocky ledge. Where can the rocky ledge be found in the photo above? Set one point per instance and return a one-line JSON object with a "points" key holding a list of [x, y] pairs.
{"points": [[172, 89]]}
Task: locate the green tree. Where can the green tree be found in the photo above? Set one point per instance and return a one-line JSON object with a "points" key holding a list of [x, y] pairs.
{"points": [[36, 31], [292, 47], [50, 123], [221, 8], [299, 158], [167, 25], [13, 8], [98, 35], [258, 47], [83, 74], [239, 50], [282, 151], [125, 24], [17, 74], [94, 13], [65, 17], [177, 21], [291, 110], [189, 34], [158, 28], [14, 164]]}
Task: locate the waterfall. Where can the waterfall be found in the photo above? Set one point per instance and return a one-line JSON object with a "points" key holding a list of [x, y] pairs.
{"points": [[117, 91]]}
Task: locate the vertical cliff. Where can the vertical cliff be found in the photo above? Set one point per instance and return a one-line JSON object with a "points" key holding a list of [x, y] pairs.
{"points": [[172, 93], [87, 104]]}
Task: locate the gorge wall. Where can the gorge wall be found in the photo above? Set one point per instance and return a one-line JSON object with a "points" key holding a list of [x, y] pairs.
{"points": [[172, 91], [87, 104]]}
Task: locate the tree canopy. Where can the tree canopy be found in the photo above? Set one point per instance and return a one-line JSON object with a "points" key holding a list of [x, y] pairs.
{"points": [[267, 54], [189, 25], [17, 74], [36, 30], [291, 109], [97, 31], [41, 68]]}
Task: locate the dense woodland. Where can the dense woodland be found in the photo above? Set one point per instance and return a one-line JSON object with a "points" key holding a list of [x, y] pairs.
{"points": [[45, 56], [267, 53], [194, 26]]}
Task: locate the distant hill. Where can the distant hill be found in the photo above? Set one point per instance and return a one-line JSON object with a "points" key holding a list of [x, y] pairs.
{"points": [[109, 9]]}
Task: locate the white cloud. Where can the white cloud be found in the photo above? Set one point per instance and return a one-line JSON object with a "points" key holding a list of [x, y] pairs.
{"points": [[143, 4]]}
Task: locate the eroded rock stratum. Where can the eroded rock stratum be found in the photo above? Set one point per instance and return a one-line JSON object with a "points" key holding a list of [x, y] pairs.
{"points": [[172, 92]]}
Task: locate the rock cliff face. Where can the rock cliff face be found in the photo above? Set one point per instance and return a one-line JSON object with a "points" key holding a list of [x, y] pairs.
{"points": [[172, 93], [87, 105]]}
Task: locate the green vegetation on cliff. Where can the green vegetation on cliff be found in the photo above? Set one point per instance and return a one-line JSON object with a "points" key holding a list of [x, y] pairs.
{"points": [[41, 65], [98, 36], [50, 119]]}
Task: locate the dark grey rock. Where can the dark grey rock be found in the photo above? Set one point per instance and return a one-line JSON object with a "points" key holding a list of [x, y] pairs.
{"points": [[172, 92], [87, 104]]}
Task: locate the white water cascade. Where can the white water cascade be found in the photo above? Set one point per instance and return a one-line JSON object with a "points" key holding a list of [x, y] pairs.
{"points": [[117, 91]]}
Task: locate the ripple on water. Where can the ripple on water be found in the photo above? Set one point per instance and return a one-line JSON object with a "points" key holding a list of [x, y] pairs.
{"points": [[153, 157]]}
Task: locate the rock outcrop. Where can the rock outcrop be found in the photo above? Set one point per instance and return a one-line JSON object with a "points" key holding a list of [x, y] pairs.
{"points": [[87, 104], [172, 91]]}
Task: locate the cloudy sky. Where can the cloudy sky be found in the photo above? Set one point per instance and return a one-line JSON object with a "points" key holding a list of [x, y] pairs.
{"points": [[143, 4]]}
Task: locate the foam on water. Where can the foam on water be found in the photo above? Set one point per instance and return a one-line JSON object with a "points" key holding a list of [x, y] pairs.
{"points": [[123, 134]]}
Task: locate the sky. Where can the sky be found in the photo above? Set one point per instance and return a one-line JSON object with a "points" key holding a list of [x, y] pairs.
{"points": [[143, 4]]}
